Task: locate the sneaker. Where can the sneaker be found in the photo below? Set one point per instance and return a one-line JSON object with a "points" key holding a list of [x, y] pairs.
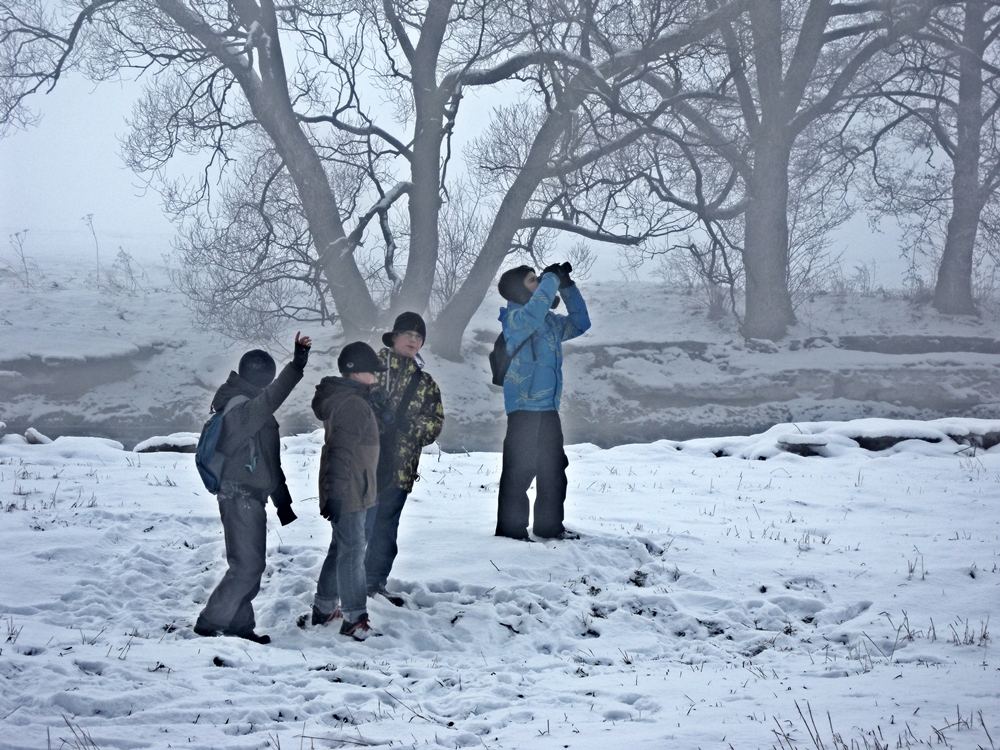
{"points": [[206, 632], [214, 633], [252, 636], [319, 617], [359, 630], [564, 535], [393, 599]]}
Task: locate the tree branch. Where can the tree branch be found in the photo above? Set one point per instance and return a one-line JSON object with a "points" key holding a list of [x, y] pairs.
{"points": [[352, 240], [593, 234], [360, 130]]}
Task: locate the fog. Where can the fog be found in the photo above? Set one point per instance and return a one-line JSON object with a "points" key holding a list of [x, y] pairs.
{"points": [[653, 366]]}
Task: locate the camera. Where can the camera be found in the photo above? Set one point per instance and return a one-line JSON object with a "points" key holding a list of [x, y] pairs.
{"points": [[381, 404]]}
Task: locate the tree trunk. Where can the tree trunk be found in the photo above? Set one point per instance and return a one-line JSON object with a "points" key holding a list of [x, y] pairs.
{"points": [[953, 291], [357, 311], [765, 246], [425, 165], [271, 106], [455, 316], [424, 209], [765, 242]]}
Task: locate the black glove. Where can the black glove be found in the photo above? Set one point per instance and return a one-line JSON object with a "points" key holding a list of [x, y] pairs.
{"points": [[403, 425], [554, 268], [285, 514], [301, 357], [563, 272], [282, 500]]}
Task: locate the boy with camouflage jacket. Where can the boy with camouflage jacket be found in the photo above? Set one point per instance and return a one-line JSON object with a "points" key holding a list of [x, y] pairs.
{"points": [[410, 417]]}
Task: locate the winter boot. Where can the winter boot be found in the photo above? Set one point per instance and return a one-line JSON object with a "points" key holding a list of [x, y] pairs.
{"points": [[319, 617], [359, 630], [249, 635], [393, 599]]}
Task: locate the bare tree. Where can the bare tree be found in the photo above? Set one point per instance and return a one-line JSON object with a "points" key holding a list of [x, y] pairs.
{"points": [[222, 72], [779, 72], [218, 78], [219, 82], [604, 52], [942, 101]]}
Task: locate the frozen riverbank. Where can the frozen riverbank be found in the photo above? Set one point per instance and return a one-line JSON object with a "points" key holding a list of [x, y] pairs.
{"points": [[123, 361]]}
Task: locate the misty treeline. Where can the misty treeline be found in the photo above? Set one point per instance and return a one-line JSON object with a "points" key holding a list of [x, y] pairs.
{"points": [[735, 136]]}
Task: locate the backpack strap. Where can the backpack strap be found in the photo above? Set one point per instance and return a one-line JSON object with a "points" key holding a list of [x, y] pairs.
{"points": [[232, 404], [409, 393], [389, 439], [520, 346]]}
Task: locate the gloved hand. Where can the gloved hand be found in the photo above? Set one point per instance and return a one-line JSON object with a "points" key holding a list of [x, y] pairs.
{"points": [[554, 268], [403, 425], [564, 270], [301, 356], [285, 514], [282, 500]]}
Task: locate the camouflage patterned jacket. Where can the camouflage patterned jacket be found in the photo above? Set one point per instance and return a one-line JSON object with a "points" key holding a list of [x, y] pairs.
{"points": [[420, 425]]}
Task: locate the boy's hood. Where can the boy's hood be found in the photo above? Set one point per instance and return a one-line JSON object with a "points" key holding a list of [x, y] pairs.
{"points": [[333, 389]]}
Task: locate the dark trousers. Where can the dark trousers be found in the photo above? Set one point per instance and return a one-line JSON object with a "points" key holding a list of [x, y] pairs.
{"points": [[532, 448], [382, 531], [244, 522]]}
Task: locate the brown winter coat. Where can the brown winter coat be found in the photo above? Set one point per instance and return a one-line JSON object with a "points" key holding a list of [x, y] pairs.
{"points": [[349, 461], [420, 425]]}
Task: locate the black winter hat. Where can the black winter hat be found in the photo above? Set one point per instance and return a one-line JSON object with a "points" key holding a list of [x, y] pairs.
{"points": [[257, 368], [358, 357], [408, 321], [512, 286]]}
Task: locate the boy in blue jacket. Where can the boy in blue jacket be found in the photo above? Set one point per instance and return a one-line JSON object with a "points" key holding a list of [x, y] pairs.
{"points": [[533, 446]]}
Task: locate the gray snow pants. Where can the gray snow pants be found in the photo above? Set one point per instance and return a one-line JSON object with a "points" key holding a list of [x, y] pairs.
{"points": [[244, 522]]}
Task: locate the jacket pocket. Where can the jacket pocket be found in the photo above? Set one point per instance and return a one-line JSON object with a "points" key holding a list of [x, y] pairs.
{"points": [[364, 492]]}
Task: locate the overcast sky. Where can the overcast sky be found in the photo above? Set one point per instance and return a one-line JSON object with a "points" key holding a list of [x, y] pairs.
{"points": [[70, 166]]}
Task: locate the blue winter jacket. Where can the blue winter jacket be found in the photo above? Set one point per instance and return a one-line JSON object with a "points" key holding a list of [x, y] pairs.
{"points": [[534, 380]]}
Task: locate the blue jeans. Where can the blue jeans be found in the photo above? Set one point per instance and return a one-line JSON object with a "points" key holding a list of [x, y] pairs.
{"points": [[343, 574], [382, 527]]}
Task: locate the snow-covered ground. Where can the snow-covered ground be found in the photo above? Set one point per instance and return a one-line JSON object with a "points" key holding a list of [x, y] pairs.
{"points": [[710, 602]]}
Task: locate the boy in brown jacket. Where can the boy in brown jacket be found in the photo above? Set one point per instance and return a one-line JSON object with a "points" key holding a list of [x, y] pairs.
{"points": [[347, 486]]}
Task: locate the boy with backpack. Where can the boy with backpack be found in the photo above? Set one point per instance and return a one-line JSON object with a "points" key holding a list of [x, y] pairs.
{"points": [[249, 472], [532, 387]]}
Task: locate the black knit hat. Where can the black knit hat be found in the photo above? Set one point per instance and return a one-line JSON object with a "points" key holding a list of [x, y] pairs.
{"points": [[257, 368], [358, 357], [512, 286], [408, 321]]}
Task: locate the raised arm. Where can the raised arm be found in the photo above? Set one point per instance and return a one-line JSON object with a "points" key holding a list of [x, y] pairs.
{"points": [[524, 321], [577, 321]]}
